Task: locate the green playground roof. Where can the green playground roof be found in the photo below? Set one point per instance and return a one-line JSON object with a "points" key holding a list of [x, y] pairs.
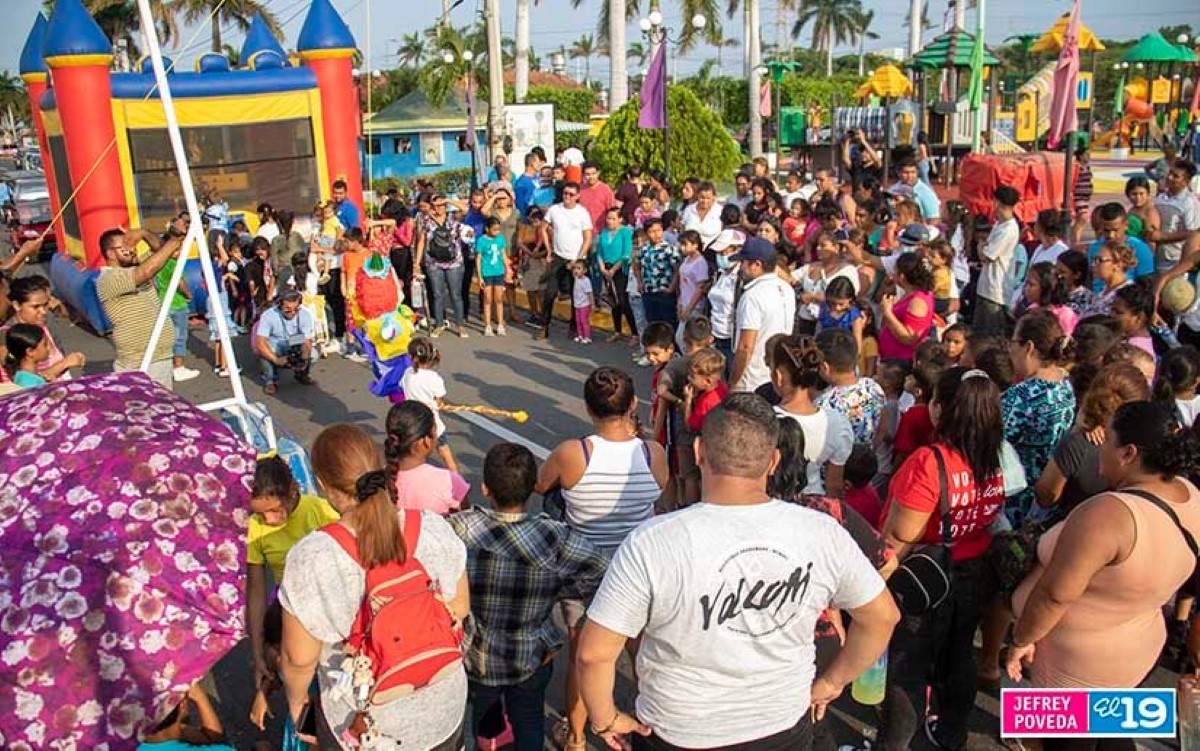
{"points": [[951, 49], [1153, 48]]}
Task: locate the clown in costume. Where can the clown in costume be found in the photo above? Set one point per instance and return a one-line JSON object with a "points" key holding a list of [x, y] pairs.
{"points": [[383, 324]]}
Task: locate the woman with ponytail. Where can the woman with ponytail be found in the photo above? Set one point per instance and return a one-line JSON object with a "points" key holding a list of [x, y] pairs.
{"points": [[1090, 614], [829, 438], [1040, 409], [936, 647], [411, 439], [323, 588]]}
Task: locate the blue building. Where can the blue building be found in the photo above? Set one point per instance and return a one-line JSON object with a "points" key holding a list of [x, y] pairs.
{"points": [[410, 137]]}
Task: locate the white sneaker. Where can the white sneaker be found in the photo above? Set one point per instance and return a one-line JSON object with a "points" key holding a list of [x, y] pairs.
{"points": [[576, 340], [355, 357], [501, 331], [334, 346], [184, 374], [488, 331], [221, 372], [585, 340]]}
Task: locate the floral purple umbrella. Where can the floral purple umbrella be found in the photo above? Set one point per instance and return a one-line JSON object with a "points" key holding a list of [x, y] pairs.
{"points": [[122, 525]]}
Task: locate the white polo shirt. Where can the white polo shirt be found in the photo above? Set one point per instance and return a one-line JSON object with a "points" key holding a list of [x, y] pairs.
{"points": [[768, 306]]}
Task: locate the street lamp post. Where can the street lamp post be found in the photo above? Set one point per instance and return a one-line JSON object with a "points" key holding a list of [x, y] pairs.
{"points": [[656, 32], [776, 70], [472, 139]]}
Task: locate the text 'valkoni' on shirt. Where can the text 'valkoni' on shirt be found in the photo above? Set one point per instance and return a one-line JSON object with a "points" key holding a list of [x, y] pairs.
{"points": [[728, 597]]}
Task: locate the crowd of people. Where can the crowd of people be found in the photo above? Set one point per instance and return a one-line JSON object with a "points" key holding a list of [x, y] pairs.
{"points": [[880, 426]]}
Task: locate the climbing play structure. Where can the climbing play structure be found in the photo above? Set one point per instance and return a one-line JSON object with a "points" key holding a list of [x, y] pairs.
{"points": [[272, 127]]}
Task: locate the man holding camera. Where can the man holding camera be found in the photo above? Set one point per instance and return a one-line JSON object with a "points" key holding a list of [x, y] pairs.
{"points": [[859, 159], [285, 340]]}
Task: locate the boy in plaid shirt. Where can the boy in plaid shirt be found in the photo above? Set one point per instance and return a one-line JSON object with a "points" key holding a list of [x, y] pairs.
{"points": [[519, 566]]}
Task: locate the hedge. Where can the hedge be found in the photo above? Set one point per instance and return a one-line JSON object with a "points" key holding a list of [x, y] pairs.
{"points": [[700, 145], [572, 105]]}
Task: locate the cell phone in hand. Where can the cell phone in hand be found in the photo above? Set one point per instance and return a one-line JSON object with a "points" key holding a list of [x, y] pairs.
{"points": [[308, 721]]}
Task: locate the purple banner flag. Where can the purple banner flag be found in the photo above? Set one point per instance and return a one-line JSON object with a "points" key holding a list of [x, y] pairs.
{"points": [[653, 97]]}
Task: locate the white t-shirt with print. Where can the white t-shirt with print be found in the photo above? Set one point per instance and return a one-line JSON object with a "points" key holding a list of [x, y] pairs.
{"points": [[709, 226], [828, 439], [426, 387], [568, 226], [768, 306], [1050, 254], [725, 599]]}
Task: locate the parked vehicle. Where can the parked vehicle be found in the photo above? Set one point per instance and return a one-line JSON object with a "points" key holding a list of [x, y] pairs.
{"points": [[26, 210]]}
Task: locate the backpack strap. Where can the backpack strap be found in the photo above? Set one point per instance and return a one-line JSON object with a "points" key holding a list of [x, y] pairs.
{"points": [[943, 493], [646, 453], [345, 538], [1188, 537], [587, 452], [411, 532]]}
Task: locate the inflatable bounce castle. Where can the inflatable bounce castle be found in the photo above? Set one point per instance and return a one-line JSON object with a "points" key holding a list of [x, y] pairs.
{"points": [[270, 129]]}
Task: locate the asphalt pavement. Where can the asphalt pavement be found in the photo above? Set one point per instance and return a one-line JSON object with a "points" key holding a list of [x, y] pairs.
{"points": [[544, 378]]}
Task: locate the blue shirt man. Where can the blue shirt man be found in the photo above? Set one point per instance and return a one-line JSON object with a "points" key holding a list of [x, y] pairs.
{"points": [[910, 185], [347, 213], [1113, 225], [527, 184]]}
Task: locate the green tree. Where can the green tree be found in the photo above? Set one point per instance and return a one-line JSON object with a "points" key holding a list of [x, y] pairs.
{"points": [[862, 30], [570, 105], [833, 22], [438, 76], [411, 52], [14, 106], [638, 51], [218, 13], [700, 145], [584, 47]]}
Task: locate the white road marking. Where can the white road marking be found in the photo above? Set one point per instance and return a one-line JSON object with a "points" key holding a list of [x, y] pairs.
{"points": [[503, 433]]}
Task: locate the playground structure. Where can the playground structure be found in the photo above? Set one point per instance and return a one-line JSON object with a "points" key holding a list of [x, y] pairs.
{"points": [[269, 129]]}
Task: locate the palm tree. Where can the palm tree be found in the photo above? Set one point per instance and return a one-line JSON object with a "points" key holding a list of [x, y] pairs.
{"points": [[723, 44], [522, 53], [122, 23], [412, 50], [638, 51], [833, 22], [438, 77], [238, 13], [584, 47], [862, 30]]}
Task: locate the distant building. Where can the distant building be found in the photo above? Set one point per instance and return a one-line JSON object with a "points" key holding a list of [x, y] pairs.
{"points": [[411, 137]]}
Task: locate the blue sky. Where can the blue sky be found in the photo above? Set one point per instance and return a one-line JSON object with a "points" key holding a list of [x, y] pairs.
{"points": [[555, 23]]}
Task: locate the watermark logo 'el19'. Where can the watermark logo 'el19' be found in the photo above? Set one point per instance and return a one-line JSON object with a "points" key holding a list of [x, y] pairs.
{"points": [[1145, 713], [1110, 713]]}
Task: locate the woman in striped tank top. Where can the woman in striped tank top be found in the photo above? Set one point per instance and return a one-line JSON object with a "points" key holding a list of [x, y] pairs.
{"points": [[610, 483]]}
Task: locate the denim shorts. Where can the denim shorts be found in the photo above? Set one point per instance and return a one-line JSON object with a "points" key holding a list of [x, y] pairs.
{"points": [[494, 281]]}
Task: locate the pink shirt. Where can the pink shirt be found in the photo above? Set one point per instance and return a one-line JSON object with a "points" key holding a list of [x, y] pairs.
{"points": [[597, 199], [1143, 343], [693, 272], [430, 488], [891, 348]]}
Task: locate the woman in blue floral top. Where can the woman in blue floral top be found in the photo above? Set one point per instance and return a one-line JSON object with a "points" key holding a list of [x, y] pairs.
{"points": [[657, 268], [1040, 409]]}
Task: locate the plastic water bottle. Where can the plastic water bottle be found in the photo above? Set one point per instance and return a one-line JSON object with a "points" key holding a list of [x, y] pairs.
{"points": [[1189, 713], [869, 687]]}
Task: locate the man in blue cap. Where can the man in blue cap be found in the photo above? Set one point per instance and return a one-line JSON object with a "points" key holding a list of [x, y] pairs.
{"points": [[767, 307]]}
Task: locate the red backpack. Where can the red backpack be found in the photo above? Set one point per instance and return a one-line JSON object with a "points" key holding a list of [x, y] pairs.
{"points": [[402, 627]]}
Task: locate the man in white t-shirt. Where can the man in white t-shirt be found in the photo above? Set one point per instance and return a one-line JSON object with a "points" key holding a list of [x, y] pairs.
{"points": [[724, 596], [1179, 211], [997, 255], [567, 231], [767, 307], [704, 215]]}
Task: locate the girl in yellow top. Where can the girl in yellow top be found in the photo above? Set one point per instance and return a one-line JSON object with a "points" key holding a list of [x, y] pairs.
{"points": [[281, 516]]}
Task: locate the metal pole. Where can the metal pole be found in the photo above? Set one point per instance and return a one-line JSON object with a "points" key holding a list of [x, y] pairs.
{"points": [[474, 145], [195, 233], [1068, 162]]}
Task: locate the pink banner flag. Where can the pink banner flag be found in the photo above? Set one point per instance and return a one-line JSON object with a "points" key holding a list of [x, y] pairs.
{"points": [[653, 96], [764, 99], [1064, 110]]}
